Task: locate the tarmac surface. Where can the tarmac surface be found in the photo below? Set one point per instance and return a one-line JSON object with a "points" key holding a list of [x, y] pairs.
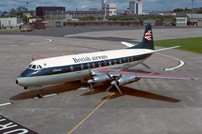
{"points": [[146, 107]]}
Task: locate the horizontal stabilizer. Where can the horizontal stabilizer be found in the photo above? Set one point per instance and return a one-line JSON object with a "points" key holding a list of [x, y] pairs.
{"points": [[128, 44], [166, 49]]}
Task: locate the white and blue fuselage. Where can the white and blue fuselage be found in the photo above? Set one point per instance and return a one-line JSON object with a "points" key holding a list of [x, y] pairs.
{"points": [[95, 67], [56, 70]]}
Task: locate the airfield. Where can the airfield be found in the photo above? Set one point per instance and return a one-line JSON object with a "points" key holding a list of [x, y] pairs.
{"points": [[146, 107]]}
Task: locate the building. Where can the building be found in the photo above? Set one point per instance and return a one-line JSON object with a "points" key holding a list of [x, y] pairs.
{"points": [[194, 19], [10, 22], [103, 2], [77, 14], [181, 21], [54, 18], [41, 11], [135, 7], [54, 15], [111, 9], [188, 20]]}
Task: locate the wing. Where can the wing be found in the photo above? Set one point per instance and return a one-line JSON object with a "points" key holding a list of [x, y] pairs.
{"points": [[145, 74], [116, 77]]}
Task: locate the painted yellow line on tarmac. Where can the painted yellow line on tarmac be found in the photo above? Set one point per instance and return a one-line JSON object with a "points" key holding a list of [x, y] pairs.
{"points": [[70, 132]]}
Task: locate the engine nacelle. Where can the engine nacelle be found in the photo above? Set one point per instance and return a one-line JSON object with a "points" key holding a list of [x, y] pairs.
{"points": [[127, 79], [100, 79]]}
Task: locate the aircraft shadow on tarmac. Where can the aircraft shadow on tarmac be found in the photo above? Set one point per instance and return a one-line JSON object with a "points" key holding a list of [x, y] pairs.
{"points": [[132, 92], [57, 89], [75, 85]]}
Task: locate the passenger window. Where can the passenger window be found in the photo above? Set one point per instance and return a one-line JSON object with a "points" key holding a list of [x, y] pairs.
{"points": [[124, 60], [114, 61], [99, 64], [88, 65], [128, 59], [120, 61], [71, 68], [105, 63], [93, 64], [82, 66]]}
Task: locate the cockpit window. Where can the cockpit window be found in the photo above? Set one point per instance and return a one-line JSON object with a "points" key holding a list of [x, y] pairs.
{"points": [[35, 67]]}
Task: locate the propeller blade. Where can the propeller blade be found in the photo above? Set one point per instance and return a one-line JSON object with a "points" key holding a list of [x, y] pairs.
{"points": [[91, 84], [119, 76], [109, 76], [107, 90], [91, 87], [117, 87]]}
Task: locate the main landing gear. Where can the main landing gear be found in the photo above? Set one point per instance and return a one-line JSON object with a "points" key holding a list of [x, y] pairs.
{"points": [[40, 94]]}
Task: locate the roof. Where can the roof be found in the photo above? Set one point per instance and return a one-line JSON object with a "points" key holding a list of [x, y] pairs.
{"points": [[194, 16], [85, 12]]}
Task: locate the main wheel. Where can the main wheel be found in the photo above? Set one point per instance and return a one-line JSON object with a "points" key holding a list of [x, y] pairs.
{"points": [[40, 95]]}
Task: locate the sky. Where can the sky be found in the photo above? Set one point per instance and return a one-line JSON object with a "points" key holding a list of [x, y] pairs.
{"points": [[148, 5]]}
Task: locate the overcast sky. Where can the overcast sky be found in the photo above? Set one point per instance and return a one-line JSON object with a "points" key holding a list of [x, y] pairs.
{"points": [[157, 5]]}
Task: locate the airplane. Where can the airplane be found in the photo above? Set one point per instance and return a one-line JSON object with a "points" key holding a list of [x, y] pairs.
{"points": [[111, 67]]}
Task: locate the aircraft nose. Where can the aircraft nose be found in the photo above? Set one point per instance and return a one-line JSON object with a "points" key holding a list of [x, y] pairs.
{"points": [[18, 82], [21, 81]]}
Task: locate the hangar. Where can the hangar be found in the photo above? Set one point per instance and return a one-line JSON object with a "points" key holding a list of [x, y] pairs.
{"points": [[189, 20]]}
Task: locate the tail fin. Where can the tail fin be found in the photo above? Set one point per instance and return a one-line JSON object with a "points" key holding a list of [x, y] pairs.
{"points": [[147, 40]]}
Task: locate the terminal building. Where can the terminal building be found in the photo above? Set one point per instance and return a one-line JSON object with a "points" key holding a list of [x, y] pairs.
{"points": [[135, 7]]}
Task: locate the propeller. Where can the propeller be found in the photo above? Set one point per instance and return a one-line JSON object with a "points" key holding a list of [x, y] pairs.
{"points": [[91, 81], [115, 83]]}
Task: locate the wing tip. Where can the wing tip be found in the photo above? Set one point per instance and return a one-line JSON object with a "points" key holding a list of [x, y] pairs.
{"points": [[194, 78]]}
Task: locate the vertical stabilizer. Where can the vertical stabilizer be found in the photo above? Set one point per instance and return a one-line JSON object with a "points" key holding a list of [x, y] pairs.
{"points": [[147, 40]]}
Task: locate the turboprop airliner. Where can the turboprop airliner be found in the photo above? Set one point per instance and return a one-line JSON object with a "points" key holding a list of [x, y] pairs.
{"points": [[97, 68]]}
